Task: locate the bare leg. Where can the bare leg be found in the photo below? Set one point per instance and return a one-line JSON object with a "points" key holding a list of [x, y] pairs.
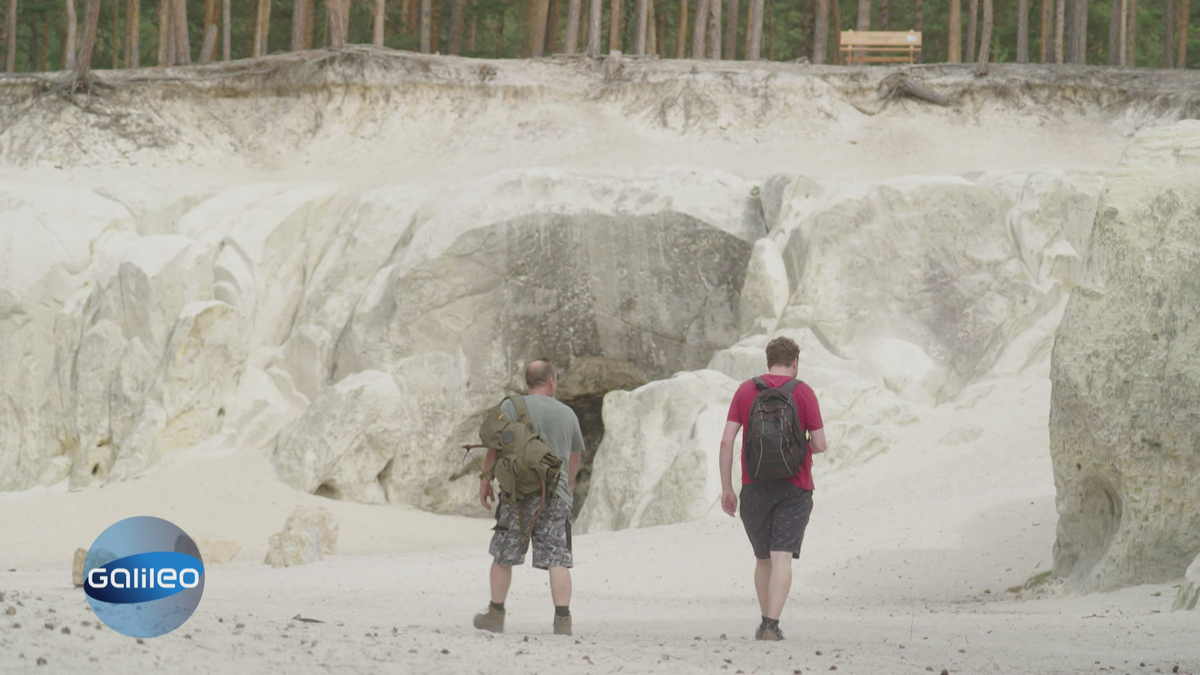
{"points": [[762, 577], [500, 578], [780, 583], [560, 586]]}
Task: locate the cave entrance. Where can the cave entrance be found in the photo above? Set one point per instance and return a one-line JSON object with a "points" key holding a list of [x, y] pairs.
{"points": [[591, 422], [582, 386]]}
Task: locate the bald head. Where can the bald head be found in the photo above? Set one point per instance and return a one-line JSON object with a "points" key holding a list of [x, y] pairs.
{"points": [[541, 377]]}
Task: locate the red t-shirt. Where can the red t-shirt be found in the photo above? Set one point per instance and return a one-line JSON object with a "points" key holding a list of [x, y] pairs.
{"points": [[806, 409]]}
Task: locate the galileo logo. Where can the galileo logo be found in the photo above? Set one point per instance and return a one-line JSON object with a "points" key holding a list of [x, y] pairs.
{"points": [[143, 577]]}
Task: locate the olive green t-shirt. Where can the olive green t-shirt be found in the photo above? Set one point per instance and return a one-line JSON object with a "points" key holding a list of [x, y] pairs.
{"points": [[559, 425]]}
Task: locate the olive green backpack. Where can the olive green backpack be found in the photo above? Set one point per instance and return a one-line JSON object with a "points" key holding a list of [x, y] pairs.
{"points": [[526, 466]]}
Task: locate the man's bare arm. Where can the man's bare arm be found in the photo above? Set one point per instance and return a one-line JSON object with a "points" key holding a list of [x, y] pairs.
{"points": [[728, 498], [817, 440], [573, 469]]}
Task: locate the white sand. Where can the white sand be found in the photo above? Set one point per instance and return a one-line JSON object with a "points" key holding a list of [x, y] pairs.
{"points": [[905, 568]]}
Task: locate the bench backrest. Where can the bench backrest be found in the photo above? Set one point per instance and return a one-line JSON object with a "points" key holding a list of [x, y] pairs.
{"points": [[879, 46]]}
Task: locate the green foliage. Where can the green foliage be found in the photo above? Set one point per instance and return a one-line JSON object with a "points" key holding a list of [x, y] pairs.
{"points": [[787, 28]]}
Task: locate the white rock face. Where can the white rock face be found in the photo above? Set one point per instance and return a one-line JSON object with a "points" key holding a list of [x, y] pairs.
{"points": [[217, 551], [1125, 409], [765, 292], [291, 548], [327, 526], [931, 278], [657, 464], [1189, 592], [361, 334]]}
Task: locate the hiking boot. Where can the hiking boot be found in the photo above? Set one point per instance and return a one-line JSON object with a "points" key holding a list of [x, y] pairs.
{"points": [[770, 633], [562, 625], [491, 620]]}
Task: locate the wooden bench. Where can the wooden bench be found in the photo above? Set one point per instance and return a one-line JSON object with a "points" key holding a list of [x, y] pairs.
{"points": [[879, 46]]}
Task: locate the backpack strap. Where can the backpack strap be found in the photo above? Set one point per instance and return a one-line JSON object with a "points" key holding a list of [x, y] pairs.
{"points": [[790, 385], [760, 384], [522, 410]]}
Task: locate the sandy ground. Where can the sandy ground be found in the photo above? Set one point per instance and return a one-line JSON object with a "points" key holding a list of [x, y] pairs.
{"points": [[912, 563]]}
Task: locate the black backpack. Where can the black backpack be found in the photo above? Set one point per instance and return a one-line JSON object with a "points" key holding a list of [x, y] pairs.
{"points": [[774, 446]]}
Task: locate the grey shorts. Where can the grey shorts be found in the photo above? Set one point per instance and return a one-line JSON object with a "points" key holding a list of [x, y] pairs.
{"points": [[775, 514], [551, 535]]}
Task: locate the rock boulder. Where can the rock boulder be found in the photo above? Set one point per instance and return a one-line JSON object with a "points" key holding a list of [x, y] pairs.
{"points": [[1125, 407]]}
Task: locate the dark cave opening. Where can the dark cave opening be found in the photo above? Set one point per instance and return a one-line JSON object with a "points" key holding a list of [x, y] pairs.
{"points": [[588, 408]]}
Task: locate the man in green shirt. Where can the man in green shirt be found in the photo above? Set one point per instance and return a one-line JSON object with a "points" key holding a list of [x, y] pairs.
{"points": [[551, 535]]}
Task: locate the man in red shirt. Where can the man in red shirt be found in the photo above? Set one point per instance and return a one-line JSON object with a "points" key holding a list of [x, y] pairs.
{"points": [[775, 512]]}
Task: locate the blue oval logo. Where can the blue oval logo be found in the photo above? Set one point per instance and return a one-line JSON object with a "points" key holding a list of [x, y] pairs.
{"points": [[143, 577]]}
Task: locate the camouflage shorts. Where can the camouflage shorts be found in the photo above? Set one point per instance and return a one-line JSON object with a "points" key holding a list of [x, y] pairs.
{"points": [[551, 534]]}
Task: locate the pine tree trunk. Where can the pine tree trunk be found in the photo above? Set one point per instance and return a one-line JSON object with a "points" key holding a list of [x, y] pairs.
{"points": [[10, 37], [595, 17], [381, 18], [210, 13], [1182, 17], [754, 52], [714, 29], [69, 45], [1131, 35], [406, 10], [43, 43], [1046, 32], [116, 33], [472, 29], [731, 31], [701, 27], [651, 25], [130, 24], [1077, 43], [660, 32], [614, 25], [574, 9], [1022, 31], [820, 31], [955, 40], [749, 30], [164, 33], [183, 49], [134, 54], [458, 21], [226, 48], [265, 33], [1060, 9], [298, 22], [639, 32], [1081, 23], [1114, 33], [91, 25], [919, 22], [541, 11], [864, 15], [552, 27], [435, 28], [426, 26], [837, 30], [337, 26], [681, 30], [985, 40], [1169, 35], [885, 19], [499, 37], [208, 49], [972, 27]]}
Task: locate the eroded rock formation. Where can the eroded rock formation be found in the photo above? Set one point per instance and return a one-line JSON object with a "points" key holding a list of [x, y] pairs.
{"points": [[1125, 411]]}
